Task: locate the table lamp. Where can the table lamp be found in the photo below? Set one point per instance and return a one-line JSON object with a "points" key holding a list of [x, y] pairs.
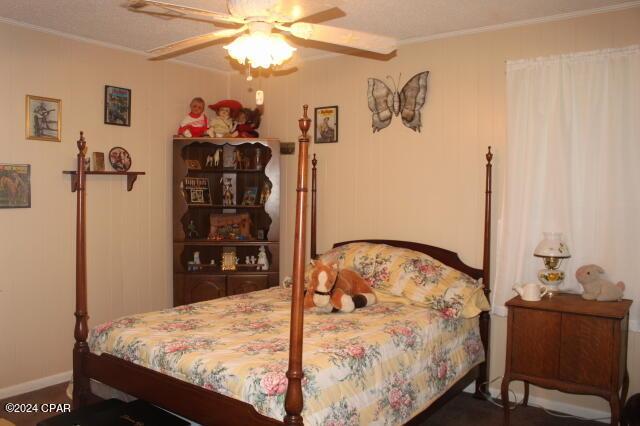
{"points": [[552, 250]]}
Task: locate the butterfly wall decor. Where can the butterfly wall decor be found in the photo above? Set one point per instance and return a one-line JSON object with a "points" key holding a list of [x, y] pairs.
{"points": [[385, 103]]}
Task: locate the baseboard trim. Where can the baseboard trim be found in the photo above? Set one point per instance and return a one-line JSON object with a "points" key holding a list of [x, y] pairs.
{"points": [[561, 407], [32, 385]]}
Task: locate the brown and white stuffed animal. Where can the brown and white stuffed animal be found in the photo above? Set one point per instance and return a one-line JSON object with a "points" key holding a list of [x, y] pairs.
{"points": [[596, 288], [333, 290]]}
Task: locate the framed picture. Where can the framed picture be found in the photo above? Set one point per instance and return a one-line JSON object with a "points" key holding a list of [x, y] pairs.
{"points": [[43, 118], [326, 130], [117, 106], [196, 191], [15, 186], [98, 161], [250, 195]]}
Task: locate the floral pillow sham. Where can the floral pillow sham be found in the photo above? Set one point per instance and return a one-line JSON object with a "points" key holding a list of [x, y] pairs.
{"points": [[414, 276]]}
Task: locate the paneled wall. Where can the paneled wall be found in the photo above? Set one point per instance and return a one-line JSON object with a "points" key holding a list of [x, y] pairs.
{"points": [[129, 233], [426, 186]]}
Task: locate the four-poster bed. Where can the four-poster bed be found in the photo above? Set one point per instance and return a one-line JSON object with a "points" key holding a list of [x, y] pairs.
{"points": [[204, 405]]}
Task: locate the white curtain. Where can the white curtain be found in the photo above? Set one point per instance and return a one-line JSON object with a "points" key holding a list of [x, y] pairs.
{"points": [[572, 166]]}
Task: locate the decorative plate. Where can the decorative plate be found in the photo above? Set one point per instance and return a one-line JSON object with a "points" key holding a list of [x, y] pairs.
{"points": [[120, 159]]}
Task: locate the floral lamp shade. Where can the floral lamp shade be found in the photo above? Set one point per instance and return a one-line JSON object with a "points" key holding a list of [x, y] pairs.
{"points": [[552, 250]]}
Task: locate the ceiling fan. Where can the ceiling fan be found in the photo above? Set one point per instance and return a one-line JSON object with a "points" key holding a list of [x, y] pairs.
{"points": [[260, 17]]}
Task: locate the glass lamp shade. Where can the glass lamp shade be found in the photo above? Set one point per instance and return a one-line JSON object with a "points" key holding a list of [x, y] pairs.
{"points": [[552, 246], [552, 250], [260, 49]]}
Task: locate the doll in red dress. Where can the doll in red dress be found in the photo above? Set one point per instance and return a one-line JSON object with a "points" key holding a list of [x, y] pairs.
{"points": [[196, 123], [247, 122]]}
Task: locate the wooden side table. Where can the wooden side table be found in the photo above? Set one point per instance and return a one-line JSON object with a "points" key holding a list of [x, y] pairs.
{"points": [[569, 344]]}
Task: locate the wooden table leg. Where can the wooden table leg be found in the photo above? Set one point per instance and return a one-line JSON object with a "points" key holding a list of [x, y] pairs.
{"points": [[525, 399], [625, 387], [505, 399], [614, 402]]}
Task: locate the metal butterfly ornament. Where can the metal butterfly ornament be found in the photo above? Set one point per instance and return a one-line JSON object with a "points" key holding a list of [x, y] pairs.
{"points": [[385, 103]]}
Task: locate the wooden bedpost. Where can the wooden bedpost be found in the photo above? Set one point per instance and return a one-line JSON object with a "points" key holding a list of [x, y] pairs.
{"points": [[314, 206], [483, 375], [81, 389], [293, 399]]}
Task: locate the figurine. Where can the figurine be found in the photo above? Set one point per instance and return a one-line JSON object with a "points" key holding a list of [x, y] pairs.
{"points": [[247, 260], [222, 124], [264, 194], [213, 262], [247, 121], [192, 231], [196, 123], [258, 159], [196, 257], [253, 260], [237, 159], [263, 262], [209, 162], [227, 193], [216, 158]]}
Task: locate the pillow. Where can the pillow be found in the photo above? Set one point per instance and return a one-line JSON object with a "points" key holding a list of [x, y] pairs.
{"points": [[413, 275]]}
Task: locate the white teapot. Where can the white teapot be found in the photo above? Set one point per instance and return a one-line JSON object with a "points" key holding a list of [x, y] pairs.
{"points": [[531, 292]]}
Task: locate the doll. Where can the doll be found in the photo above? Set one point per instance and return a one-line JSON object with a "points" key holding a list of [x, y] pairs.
{"points": [[222, 124], [196, 123], [247, 122]]}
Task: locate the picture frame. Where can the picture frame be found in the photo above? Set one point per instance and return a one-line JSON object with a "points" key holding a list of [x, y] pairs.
{"points": [[117, 106], [15, 186], [43, 118], [250, 196], [196, 191], [98, 161], [326, 124], [120, 159], [193, 164]]}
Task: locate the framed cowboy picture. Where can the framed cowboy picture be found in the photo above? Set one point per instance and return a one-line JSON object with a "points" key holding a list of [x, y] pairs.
{"points": [[43, 118], [117, 106], [326, 129]]}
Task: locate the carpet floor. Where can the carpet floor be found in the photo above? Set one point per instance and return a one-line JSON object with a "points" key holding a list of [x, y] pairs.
{"points": [[462, 410]]}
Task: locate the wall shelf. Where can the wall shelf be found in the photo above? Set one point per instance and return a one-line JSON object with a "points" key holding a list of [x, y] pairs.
{"points": [[131, 177]]}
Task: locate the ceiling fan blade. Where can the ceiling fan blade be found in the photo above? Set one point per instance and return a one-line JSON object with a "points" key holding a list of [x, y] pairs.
{"points": [[282, 11], [215, 16], [190, 44], [342, 37]]}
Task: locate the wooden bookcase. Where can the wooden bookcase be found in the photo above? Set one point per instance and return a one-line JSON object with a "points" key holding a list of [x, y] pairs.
{"points": [[193, 211]]}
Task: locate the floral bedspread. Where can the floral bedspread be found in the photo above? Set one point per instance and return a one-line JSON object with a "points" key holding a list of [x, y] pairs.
{"points": [[379, 365]]}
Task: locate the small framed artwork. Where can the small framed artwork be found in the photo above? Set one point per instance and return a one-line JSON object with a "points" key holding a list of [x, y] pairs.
{"points": [[98, 161], [326, 130], [43, 118], [196, 191], [15, 186], [250, 195], [120, 159], [117, 106]]}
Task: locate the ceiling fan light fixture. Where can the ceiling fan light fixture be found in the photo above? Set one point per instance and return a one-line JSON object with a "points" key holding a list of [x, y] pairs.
{"points": [[260, 49]]}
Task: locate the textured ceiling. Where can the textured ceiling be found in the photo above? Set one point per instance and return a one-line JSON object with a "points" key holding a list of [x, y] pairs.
{"points": [[110, 22]]}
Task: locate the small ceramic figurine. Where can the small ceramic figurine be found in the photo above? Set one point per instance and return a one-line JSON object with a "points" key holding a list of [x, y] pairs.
{"points": [[213, 262], [216, 158], [253, 260], [263, 262], [237, 159], [227, 193], [264, 194], [222, 124], [209, 162], [196, 123], [247, 260], [258, 159], [196, 257], [192, 231]]}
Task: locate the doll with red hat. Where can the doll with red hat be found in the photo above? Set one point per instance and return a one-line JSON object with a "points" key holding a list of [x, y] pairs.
{"points": [[223, 124], [196, 123]]}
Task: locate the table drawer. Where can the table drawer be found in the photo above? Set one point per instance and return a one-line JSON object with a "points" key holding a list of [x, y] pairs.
{"points": [[237, 284]]}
